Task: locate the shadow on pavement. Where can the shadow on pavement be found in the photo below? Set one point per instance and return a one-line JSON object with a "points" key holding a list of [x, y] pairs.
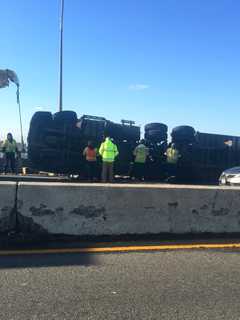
{"points": [[48, 260], [228, 250]]}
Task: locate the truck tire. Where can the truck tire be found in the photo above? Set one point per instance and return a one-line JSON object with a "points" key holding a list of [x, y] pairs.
{"points": [[54, 140], [33, 154], [41, 117], [183, 134], [39, 123], [46, 159], [156, 126], [65, 118], [184, 130], [155, 135]]}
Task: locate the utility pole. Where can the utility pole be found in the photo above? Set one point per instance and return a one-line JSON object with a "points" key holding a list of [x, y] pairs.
{"points": [[61, 55]]}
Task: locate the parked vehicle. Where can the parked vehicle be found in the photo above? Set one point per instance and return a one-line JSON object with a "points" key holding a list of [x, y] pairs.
{"points": [[230, 177]]}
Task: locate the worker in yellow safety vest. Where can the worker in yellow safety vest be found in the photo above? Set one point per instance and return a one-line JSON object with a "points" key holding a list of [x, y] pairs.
{"points": [[140, 153], [173, 156], [108, 151], [10, 149]]}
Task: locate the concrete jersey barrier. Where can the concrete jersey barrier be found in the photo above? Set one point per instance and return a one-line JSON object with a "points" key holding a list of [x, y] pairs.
{"points": [[98, 209], [7, 206]]}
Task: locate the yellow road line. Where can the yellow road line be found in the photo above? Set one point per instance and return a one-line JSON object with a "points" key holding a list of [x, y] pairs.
{"points": [[121, 249]]}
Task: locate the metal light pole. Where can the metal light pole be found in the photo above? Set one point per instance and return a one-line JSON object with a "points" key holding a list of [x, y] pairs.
{"points": [[20, 118], [61, 55]]}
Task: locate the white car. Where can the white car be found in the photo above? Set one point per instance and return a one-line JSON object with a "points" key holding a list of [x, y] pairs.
{"points": [[230, 177]]}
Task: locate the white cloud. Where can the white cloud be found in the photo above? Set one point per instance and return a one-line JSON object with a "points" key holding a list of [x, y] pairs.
{"points": [[39, 108], [138, 87]]}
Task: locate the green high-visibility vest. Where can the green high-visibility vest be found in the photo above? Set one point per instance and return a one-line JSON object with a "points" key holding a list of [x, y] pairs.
{"points": [[108, 150], [140, 152], [172, 155], [10, 146]]}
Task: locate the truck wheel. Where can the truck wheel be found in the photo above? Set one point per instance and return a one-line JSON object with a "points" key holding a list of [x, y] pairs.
{"points": [[39, 123], [155, 135], [183, 134], [156, 126], [65, 118]]}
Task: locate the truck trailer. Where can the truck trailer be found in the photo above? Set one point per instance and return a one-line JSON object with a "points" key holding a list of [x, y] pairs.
{"points": [[56, 143]]}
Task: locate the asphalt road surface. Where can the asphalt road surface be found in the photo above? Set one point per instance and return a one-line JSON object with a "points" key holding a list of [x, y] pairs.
{"points": [[190, 284]]}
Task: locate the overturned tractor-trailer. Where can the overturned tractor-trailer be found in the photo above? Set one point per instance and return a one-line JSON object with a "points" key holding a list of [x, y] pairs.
{"points": [[56, 143]]}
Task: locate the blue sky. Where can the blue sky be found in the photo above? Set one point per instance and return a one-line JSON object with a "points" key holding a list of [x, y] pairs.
{"points": [[171, 61]]}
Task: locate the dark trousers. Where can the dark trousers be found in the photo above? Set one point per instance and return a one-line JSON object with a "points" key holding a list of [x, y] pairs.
{"points": [[139, 170], [107, 171], [91, 170], [10, 162], [171, 170]]}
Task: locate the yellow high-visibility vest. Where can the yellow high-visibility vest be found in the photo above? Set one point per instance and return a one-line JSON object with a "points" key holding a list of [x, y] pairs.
{"points": [[172, 155], [108, 150], [9, 146], [140, 152]]}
